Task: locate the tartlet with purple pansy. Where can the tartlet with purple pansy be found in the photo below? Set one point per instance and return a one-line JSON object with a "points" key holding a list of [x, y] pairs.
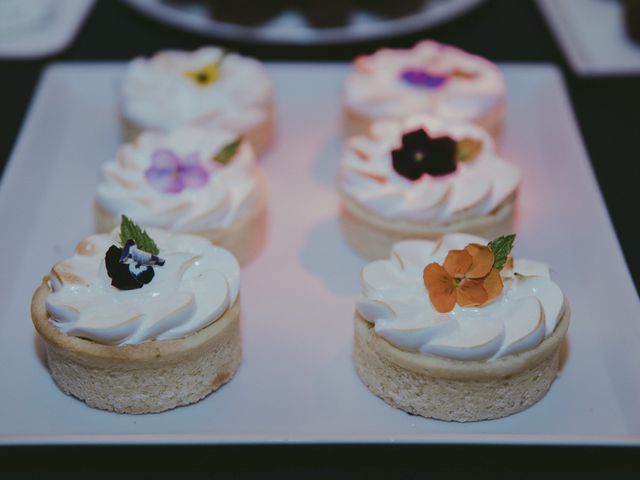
{"points": [[429, 78], [189, 180]]}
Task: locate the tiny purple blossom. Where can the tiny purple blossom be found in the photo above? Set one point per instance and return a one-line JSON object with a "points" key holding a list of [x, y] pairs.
{"points": [[422, 78], [171, 174]]}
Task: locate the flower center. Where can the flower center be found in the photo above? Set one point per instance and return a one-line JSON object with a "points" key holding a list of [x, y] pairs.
{"points": [[418, 156]]}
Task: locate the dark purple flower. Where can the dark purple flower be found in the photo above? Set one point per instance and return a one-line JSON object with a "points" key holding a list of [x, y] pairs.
{"points": [[131, 253], [424, 79], [130, 268], [171, 174], [422, 154]]}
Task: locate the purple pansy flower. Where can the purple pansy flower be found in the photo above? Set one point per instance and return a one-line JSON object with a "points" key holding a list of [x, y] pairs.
{"points": [[424, 79], [171, 174]]}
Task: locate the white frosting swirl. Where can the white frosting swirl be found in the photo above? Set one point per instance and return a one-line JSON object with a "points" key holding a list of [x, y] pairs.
{"points": [[476, 188], [397, 302], [229, 193], [156, 94], [195, 286], [376, 89]]}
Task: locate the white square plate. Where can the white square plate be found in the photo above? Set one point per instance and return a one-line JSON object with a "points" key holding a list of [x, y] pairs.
{"points": [[593, 36], [297, 382]]}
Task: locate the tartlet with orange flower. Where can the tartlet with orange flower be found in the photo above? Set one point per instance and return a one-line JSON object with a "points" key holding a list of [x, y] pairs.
{"points": [[458, 329]]}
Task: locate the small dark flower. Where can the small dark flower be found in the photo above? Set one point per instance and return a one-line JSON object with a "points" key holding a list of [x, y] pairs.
{"points": [[131, 252], [422, 154], [423, 79], [130, 268]]}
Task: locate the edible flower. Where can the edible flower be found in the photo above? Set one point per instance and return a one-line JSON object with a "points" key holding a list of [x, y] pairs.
{"points": [[131, 253], [208, 74], [423, 79], [132, 266], [205, 76], [469, 277], [171, 174], [422, 154]]}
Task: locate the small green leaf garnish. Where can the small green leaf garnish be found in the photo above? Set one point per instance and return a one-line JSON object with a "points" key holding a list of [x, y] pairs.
{"points": [[468, 149], [501, 248], [130, 231], [227, 152]]}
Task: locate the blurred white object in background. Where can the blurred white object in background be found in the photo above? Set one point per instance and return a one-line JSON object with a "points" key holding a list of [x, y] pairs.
{"points": [[16, 16], [593, 36], [37, 28], [290, 27]]}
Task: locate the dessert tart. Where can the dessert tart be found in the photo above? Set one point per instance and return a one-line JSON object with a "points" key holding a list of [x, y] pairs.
{"points": [[423, 178], [135, 326], [458, 330], [209, 87], [189, 180], [430, 78]]}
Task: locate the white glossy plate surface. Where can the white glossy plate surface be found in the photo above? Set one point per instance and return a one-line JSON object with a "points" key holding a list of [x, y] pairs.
{"points": [[50, 35], [291, 27], [297, 382], [592, 35]]}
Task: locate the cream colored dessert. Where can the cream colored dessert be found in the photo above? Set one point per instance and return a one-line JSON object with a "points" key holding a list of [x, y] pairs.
{"points": [[209, 87], [189, 180], [429, 78], [136, 333], [453, 331], [423, 178]]}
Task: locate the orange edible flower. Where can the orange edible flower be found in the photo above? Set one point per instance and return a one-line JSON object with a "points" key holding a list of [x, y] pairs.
{"points": [[467, 277]]}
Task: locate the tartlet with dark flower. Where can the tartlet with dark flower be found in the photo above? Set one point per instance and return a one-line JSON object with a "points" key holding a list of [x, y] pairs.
{"points": [[138, 322], [423, 178]]}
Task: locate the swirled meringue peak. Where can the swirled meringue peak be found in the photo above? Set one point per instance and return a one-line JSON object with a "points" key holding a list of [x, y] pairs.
{"points": [[429, 78], [396, 301], [195, 286], [187, 180], [377, 172], [207, 87]]}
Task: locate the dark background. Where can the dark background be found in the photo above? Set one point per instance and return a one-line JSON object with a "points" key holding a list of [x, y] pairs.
{"points": [[607, 110]]}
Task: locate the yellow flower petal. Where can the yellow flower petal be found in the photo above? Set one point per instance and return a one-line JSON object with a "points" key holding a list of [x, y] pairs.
{"points": [[204, 76]]}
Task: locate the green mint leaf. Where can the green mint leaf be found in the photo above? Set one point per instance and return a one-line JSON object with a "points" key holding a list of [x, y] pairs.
{"points": [[468, 149], [227, 152], [130, 231], [501, 248]]}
